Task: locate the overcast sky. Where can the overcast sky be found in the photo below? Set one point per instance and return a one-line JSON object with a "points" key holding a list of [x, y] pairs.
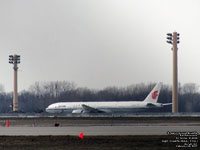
{"points": [[98, 43]]}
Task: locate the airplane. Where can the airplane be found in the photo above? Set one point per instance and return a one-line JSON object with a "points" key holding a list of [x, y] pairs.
{"points": [[109, 107]]}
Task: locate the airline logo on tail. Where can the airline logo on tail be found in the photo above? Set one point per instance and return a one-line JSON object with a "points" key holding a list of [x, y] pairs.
{"points": [[155, 95]]}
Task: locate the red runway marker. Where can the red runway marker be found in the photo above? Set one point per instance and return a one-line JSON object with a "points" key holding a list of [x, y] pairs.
{"points": [[7, 123], [81, 135]]}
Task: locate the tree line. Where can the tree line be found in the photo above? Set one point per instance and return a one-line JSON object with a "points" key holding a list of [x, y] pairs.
{"points": [[41, 94]]}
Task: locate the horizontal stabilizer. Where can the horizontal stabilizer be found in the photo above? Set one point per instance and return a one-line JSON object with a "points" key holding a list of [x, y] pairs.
{"points": [[167, 104]]}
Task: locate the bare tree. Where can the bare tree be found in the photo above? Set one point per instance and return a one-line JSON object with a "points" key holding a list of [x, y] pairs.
{"points": [[189, 88]]}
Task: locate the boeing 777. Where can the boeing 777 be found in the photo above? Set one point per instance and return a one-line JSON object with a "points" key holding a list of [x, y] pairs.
{"points": [[109, 107]]}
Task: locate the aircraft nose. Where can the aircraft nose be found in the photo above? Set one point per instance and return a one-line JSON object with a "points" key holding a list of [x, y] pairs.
{"points": [[47, 110]]}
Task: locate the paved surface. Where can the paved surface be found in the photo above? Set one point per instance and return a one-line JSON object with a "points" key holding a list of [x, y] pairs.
{"points": [[102, 121], [96, 130], [97, 126]]}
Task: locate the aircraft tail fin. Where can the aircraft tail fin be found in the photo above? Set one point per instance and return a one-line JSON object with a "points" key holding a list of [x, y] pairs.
{"points": [[154, 94]]}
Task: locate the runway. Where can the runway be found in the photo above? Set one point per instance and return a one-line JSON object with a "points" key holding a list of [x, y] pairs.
{"points": [[97, 126], [95, 130]]}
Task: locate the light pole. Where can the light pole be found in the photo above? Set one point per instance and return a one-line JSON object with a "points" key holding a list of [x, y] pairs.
{"points": [[174, 40], [15, 59]]}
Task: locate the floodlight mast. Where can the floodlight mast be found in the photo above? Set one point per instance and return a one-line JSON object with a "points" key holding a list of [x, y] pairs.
{"points": [[15, 59], [174, 40]]}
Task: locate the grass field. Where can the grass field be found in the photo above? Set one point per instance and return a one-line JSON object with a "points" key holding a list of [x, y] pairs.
{"points": [[88, 143]]}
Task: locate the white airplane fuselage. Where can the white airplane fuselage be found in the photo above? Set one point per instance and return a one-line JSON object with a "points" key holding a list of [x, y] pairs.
{"points": [[76, 107]]}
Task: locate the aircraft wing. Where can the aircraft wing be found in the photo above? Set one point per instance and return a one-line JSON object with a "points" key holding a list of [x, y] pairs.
{"points": [[87, 108]]}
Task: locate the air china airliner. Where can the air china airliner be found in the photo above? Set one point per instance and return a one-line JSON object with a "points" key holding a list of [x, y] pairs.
{"points": [[109, 107]]}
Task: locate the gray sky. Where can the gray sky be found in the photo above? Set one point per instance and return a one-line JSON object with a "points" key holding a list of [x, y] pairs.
{"points": [[98, 43]]}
